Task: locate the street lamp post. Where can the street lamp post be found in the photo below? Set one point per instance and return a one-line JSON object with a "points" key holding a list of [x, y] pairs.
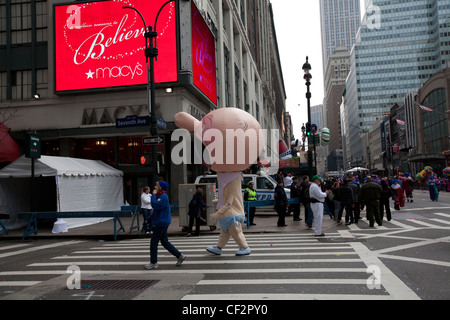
{"points": [[307, 68], [151, 53]]}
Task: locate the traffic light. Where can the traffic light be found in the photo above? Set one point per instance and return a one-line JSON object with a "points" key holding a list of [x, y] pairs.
{"points": [[308, 129], [146, 159]]}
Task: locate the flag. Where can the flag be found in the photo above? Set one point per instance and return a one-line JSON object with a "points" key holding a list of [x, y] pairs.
{"points": [[400, 122], [425, 108]]}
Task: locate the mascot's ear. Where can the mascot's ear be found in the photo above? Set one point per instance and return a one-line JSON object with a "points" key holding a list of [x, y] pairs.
{"points": [[186, 121]]}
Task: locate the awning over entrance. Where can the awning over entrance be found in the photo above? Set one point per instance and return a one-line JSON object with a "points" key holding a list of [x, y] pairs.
{"points": [[426, 157], [9, 149]]}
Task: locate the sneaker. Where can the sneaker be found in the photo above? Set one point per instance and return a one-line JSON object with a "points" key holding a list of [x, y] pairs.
{"points": [[180, 260], [151, 266], [214, 250], [243, 252], [319, 235]]}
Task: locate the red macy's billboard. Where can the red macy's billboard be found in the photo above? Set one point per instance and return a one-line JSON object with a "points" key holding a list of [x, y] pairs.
{"points": [[203, 56], [100, 44]]}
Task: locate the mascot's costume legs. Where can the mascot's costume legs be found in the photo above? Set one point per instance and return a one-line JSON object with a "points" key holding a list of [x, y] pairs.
{"points": [[230, 212]]}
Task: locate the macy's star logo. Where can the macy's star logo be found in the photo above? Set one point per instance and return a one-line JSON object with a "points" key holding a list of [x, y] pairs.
{"points": [[90, 74]]}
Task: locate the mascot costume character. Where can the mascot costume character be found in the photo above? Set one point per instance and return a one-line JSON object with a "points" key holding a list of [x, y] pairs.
{"points": [[228, 160]]}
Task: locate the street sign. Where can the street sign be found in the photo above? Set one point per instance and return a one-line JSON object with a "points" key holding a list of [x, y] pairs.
{"points": [[161, 123], [153, 140], [313, 129], [313, 139], [33, 146], [132, 121]]}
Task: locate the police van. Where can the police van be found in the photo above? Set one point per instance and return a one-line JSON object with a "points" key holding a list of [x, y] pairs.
{"points": [[263, 185]]}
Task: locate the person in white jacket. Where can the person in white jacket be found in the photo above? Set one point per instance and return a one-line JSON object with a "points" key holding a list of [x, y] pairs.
{"points": [[146, 209], [317, 199]]}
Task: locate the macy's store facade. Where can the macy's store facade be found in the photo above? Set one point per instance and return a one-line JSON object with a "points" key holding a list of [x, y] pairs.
{"points": [[93, 100]]}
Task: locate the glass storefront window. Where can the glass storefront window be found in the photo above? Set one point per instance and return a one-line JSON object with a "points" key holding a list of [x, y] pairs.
{"points": [[131, 149], [435, 124], [96, 149]]}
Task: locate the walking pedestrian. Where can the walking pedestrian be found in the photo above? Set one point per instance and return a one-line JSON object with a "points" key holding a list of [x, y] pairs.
{"points": [[398, 195], [346, 198], [281, 203], [304, 188], [433, 188], [369, 196], [250, 195], [296, 194], [386, 194], [355, 202], [146, 209], [317, 198], [161, 220], [336, 200], [408, 187], [287, 180], [196, 206]]}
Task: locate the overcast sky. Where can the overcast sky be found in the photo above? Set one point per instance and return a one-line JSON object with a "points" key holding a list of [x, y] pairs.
{"points": [[297, 24]]}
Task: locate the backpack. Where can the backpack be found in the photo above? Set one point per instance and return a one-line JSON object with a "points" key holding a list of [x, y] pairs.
{"points": [[192, 205], [306, 193]]}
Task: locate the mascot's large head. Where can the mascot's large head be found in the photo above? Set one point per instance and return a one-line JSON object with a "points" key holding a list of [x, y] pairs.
{"points": [[233, 137]]}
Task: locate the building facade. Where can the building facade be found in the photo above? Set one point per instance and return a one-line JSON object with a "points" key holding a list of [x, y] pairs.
{"points": [[433, 126], [339, 21], [394, 57], [90, 123], [336, 74]]}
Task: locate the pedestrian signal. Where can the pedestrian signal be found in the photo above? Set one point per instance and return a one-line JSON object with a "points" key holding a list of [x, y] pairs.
{"points": [[146, 160]]}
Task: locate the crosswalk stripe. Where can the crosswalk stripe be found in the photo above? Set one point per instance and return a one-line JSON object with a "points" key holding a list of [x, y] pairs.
{"points": [[285, 296], [195, 262], [280, 281], [367, 222], [440, 221], [252, 245], [18, 283], [165, 255], [423, 223], [37, 248], [209, 242], [401, 225], [14, 246], [224, 251], [446, 215], [187, 271]]}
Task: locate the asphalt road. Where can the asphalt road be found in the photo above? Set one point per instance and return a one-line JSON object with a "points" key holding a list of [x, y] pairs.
{"points": [[407, 258]]}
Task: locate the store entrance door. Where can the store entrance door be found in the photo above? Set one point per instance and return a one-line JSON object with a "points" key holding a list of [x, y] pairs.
{"points": [[133, 186]]}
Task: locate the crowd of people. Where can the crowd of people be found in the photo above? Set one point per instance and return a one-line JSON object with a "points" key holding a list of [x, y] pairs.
{"points": [[350, 194], [332, 196]]}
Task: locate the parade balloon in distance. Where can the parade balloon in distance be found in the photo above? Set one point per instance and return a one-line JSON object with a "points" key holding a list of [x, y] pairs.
{"points": [[325, 137]]}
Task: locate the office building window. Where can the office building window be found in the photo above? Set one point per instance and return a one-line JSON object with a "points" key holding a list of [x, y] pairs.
{"points": [[227, 76], [435, 124]]}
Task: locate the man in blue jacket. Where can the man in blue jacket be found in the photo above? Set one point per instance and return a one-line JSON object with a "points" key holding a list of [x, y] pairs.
{"points": [[161, 221]]}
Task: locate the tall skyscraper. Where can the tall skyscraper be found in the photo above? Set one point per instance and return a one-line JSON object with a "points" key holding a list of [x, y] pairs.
{"points": [[401, 46], [339, 20]]}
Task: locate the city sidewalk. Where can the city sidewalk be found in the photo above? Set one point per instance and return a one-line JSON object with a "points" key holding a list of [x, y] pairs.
{"points": [[266, 221]]}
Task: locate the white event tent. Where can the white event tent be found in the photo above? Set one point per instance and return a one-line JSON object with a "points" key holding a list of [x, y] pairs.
{"points": [[61, 184]]}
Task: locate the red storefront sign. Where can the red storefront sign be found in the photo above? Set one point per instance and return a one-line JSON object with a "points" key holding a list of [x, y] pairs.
{"points": [[101, 45], [204, 56]]}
